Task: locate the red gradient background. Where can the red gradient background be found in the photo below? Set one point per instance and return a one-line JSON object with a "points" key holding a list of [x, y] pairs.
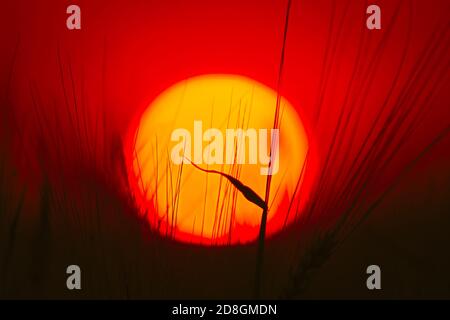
{"points": [[372, 101], [72, 95]]}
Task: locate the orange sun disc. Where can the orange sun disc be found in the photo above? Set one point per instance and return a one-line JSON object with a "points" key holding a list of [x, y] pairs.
{"points": [[222, 124]]}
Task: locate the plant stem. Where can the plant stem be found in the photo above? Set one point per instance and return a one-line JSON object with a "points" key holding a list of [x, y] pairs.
{"points": [[262, 229]]}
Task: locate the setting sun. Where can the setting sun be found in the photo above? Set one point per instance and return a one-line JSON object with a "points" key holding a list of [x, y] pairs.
{"points": [[221, 123]]}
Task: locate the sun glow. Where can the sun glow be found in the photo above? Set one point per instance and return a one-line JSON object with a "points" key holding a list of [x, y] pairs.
{"points": [[192, 121]]}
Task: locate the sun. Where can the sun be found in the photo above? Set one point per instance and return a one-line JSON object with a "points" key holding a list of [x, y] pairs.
{"points": [[221, 123]]}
